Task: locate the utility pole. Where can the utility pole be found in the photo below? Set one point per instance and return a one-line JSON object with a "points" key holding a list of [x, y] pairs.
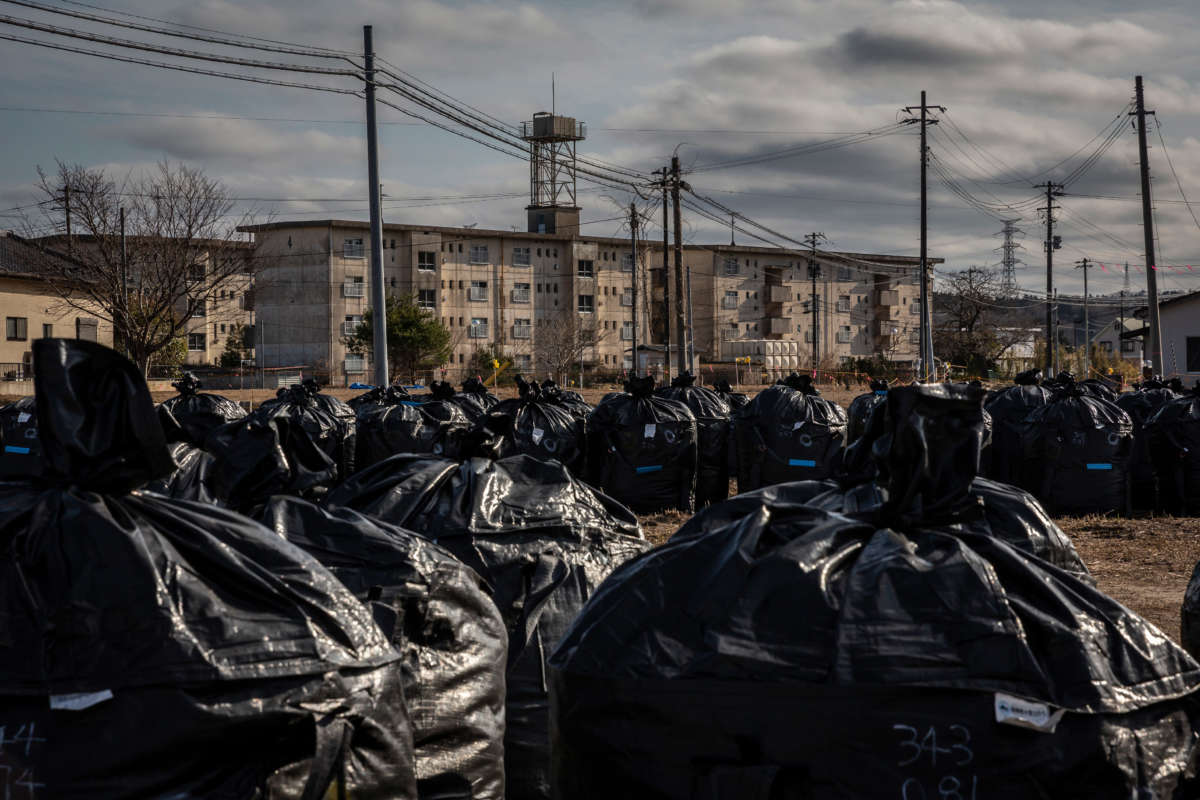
{"points": [[680, 325], [1085, 265], [732, 243], [814, 272], [691, 345], [125, 284], [927, 367], [1121, 330], [1154, 332], [378, 290], [666, 260], [1051, 244], [1056, 365], [633, 226]]}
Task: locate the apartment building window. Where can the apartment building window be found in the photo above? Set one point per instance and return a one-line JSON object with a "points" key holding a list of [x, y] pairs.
{"points": [[808, 336], [478, 329], [730, 301], [914, 307], [605, 255], [1128, 346], [354, 287], [521, 257], [352, 248], [914, 337], [731, 266], [539, 252], [16, 329], [427, 298], [47, 331], [844, 334], [426, 260], [587, 303], [478, 292], [522, 329], [843, 303], [199, 308], [843, 274], [539, 288], [196, 273], [627, 262], [627, 297], [523, 361], [355, 363], [350, 324], [1106, 347], [478, 254], [195, 341], [587, 268], [627, 331], [520, 293]]}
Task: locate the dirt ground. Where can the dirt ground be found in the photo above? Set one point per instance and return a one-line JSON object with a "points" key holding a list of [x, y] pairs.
{"points": [[1144, 563]]}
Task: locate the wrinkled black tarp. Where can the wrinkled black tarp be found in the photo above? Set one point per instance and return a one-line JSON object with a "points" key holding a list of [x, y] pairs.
{"points": [[541, 539], [20, 450], [642, 449], [328, 421], [392, 423], [713, 433], [191, 414], [192, 478], [735, 399], [1141, 405], [788, 433], [538, 427], [790, 652], [568, 399], [1075, 454], [441, 620], [861, 408], [186, 650], [1009, 408], [474, 399], [1174, 434]]}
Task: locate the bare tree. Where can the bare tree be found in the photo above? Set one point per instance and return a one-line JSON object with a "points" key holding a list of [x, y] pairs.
{"points": [[971, 329], [563, 342], [180, 249]]}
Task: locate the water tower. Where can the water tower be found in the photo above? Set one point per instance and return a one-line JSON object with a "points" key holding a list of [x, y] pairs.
{"points": [[552, 138]]}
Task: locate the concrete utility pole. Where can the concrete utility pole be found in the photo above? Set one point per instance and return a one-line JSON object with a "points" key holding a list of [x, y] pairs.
{"points": [[633, 226], [125, 283], [378, 290], [691, 345], [680, 323], [1055, 365], [814, 272], [666, 282], [1051, 244], [1085, 265], [927, 364], [1154, 332]]}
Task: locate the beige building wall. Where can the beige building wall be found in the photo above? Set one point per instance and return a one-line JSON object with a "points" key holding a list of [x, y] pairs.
{"points": [[32, 312]]}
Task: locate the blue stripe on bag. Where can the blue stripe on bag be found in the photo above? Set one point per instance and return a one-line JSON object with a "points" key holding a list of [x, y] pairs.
{"points": [[643, 470], [1099, 466], [801, 462], [8, 448]]}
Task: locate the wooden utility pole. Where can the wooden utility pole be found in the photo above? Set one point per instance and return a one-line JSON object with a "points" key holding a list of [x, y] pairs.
{"points": [[633, 226], [378, 290], [680, 323], [927, 364], [1154, 331], [666, 260], [1085, 265], [1051, 244]]}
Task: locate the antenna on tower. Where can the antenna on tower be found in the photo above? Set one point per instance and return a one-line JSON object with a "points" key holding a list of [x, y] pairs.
{"points": [[1008, 258], [553, 96]]}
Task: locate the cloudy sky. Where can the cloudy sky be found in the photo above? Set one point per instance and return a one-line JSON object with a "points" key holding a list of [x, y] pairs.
{"points": [[1028, 85]]}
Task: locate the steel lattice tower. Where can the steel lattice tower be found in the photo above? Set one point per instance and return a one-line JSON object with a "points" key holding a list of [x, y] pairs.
{"points": [[1008, 257]]}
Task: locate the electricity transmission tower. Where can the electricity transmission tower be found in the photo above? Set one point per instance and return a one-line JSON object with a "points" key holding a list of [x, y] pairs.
{"points": [[1008, 257]]}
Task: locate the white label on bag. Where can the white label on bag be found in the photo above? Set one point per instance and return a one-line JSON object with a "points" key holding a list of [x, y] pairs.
{"points": [[538, 433], [23, 417], [79, 701], [798, 425], [649, 434], [1023, 713]]}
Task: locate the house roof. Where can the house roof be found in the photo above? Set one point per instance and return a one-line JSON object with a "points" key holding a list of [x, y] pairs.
{"points": [[22, 258]]}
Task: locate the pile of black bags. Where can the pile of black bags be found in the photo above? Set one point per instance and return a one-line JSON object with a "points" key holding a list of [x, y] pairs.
{"points": [[1174, 441], [713, 435], [390, 421], [540, 426], [862, 406], [158, 648], [1009, 407], [21, 452], [788, 432], [1141, 404], [542, 541], [191, 415], [772, 649], [642, 449]]}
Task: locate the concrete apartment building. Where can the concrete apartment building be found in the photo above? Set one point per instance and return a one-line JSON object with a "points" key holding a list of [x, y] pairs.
{"points": [[32, 310]]}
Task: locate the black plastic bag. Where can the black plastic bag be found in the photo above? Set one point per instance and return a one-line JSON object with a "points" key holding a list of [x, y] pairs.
{"points": [[451, 636], [541, 539], [861, 408], [735, 399], [1174, 435], [21, 451], [1141, 405], [395, 423], [1009, 408], [192, 478], [537, 427], [642, 449], [1076, 452], [713, 433], [186, 651], [328, 423], [788, 433], [570, 400], [389, 395], [790, 652], [191, 415]]}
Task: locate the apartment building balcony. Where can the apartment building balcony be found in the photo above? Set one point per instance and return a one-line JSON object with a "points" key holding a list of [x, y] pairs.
{"points": [[779, 325], [778, 294]]}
